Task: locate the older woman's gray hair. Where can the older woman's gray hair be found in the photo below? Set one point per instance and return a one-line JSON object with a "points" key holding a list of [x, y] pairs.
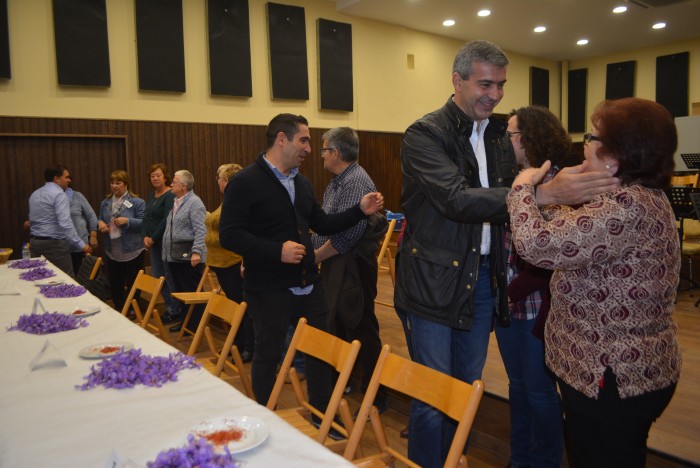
{"points": [[186, 178], [347, 142]]}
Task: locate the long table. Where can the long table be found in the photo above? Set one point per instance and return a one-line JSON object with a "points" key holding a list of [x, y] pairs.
{"points": [[45, 421]]}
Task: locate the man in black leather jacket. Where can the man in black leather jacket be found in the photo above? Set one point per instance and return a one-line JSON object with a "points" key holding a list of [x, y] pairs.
{"points": [[457, 169]]}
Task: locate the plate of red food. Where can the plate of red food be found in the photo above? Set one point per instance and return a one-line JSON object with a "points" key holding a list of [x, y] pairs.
{"points": [[81, 311], [104, 350], [237, 433]]}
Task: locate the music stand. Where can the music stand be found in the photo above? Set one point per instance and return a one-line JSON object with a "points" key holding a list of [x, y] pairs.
{"points": [[692, 160], [682, 203], [695, 198], [683, 208]]}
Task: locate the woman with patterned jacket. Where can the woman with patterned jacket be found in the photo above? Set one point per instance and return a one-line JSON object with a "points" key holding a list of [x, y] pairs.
{"points": [[609, 338]]}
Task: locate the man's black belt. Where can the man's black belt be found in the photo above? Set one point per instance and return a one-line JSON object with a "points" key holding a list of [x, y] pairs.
{"points": [[43, 238]]}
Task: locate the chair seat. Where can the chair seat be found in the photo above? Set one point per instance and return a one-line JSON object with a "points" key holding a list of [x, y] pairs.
{"points": [[691, 247], [295, 418], [201, 297], [374, 461]]}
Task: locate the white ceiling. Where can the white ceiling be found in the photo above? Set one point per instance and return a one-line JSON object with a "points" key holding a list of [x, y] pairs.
{"points": [[511, 23]]}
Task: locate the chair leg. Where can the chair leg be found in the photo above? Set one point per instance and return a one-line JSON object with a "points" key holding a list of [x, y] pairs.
{"points": [[184, 329], [690, 275]]}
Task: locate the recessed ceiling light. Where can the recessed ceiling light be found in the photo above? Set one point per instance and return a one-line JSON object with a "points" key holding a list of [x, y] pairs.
{"points": [[540, 29], [448, 22], [582, 42], [484, 12], [620, 9], [659, 25]]}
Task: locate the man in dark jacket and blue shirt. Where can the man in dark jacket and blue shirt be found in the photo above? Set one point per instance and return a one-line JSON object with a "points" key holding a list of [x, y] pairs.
{"points": [[451, 280], [267, 212]]}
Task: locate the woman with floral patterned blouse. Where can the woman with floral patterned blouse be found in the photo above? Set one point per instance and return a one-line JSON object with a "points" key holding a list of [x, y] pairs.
{"points": [[609, 337]]}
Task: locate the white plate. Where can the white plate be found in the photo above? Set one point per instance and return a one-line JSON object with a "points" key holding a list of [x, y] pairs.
{"points": [[103, 350], [48, 282], [81, 311], [255, 432]]}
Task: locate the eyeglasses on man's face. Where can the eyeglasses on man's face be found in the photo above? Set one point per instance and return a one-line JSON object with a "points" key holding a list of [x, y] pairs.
{"points": [[322, 150], [587, 138], [510, 134]]}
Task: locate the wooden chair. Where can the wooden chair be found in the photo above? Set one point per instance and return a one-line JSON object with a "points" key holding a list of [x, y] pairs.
{"points": [[456, 399], [87, 276], [385, 252], [231, 313], [152, 286], [337, 353], [385, 245], [198, 296], [688, 180], [92, 264]]}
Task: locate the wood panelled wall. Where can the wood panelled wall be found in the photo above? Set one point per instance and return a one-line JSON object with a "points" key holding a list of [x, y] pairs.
{"points": [[94, 148]]}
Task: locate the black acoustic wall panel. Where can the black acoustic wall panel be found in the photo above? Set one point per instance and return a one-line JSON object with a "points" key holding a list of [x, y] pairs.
{"points": [[5, 71], [229, 48], [619, 80], [672, 83], [335, 65], [539, 87], [82, 49], [286, 27], [160, 45], [577, 100]]}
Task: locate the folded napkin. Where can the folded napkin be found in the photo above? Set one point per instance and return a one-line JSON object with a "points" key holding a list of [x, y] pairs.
{"points": [[8, 289]]}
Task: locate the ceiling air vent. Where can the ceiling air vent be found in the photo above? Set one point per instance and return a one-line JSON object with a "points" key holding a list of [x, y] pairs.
{"points": [[656, 3]]}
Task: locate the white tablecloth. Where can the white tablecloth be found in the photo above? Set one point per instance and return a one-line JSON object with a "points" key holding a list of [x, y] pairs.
{"points": [[46, 422]]}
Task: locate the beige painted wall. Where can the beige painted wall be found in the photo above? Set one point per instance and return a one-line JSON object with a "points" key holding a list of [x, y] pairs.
{"points": [[388, 95]]}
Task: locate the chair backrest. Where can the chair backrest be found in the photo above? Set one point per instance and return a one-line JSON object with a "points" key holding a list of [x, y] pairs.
{"points": [[231, 313], [456, 399], [152, 286], [338, 353], [688, 180], [88, 277], [385, 242]]}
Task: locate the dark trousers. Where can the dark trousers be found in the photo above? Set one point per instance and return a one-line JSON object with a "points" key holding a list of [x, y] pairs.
{"points": [[186, 278], [121, 278], [610, 432], [232, 284], [367, 331], [54, 250], [272, 313], [77, 260]]}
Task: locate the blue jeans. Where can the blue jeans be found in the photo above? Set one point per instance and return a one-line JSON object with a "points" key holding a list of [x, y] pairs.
{"points": [[459, 353], [158, 269], [536, 426]]}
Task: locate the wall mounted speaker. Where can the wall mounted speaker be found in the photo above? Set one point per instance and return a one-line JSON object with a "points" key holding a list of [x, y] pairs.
{"points": [[619, 80], [82, 48], [672, 83], [160, 45], [578, 80], [5, 71], [229, 48], [539, 87], [286, 27], [335, 65]]}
